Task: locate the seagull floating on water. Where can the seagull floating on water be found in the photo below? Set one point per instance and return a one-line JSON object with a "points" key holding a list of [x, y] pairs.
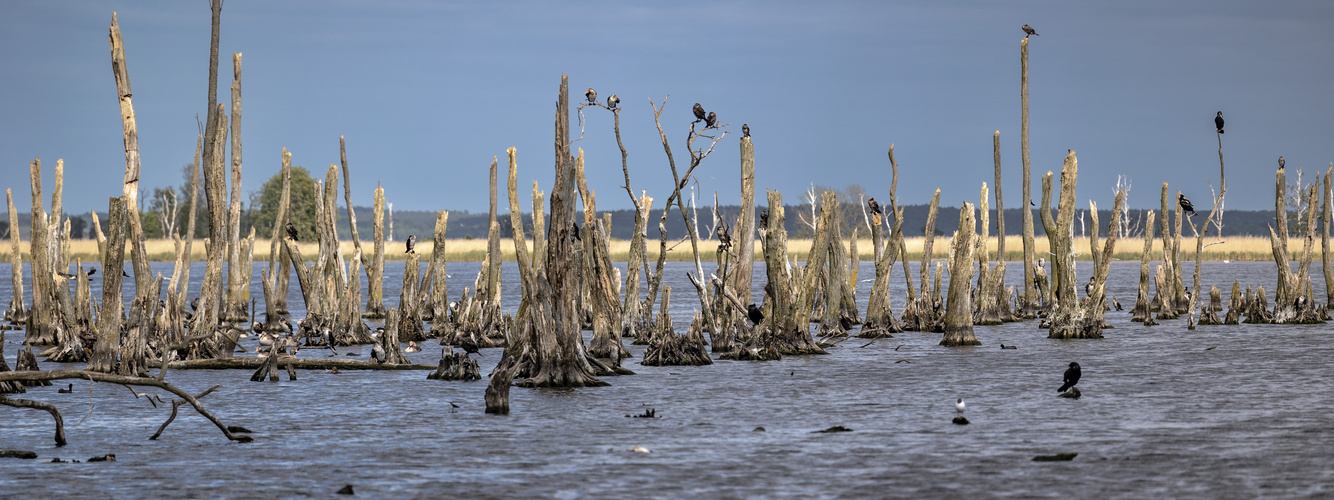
{"points": [[960, 406]]}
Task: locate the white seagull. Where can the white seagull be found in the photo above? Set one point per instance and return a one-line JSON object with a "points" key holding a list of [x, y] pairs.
{"points": [[960, 406]]}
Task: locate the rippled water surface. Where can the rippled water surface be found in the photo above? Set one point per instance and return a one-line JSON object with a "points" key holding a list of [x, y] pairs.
{"points": [[1162, 416]]}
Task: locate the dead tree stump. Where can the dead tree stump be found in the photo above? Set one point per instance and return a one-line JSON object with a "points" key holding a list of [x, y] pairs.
{"points": [[958, 321]]}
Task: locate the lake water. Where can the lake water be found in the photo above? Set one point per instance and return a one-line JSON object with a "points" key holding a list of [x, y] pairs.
{"points": [[1161, 416]]}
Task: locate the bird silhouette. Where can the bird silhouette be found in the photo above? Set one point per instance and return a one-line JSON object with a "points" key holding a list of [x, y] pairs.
{"points": [[291, 231], [875, 207], [1280, 163], [67, 390], [592, 96], [1218, 122], [699, 113], [711, 119], [745, 130], [1071, 377], [754, 313], [764, 218], [1185, 204], [1028, 31]]}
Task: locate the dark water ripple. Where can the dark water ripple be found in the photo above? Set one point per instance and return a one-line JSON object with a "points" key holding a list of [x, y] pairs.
{"points": [[1161, 417]]}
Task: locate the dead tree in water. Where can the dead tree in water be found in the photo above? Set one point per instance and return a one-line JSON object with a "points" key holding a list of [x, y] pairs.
{"points": [[1143, 310], [106, 350], [1068, 319], [921, 313], [957, 323], [238, 277], [598, 277], [990, 295], [880, 320], [43, 325], [207, 318], [1028, 303], [17, 312], [1326, 219], [1095, 304], [375, 270], [1293, 298], [441, 326], [272, 316], [1215, 218], [553, 352]]}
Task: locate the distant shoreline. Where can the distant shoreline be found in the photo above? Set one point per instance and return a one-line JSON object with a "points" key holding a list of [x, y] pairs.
{"points": [[1240, 248]]}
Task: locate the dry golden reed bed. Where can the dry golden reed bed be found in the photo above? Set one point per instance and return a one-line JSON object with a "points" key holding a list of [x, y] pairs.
{"points": [[1232, 248]]}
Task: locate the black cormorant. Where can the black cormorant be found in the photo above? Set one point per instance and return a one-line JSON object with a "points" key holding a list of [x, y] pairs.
{"points": [[745, 130], [724, 239], [291, 231], [875, 207], [764, 218], [412, 240], [699, 113], [1028, 31], [613, 101], [1280, 163], [1071, 377], [92, 271], [1218, 122], [1116, 303], [711, 119], [592, 96], [755, 314], [1185, 204]]}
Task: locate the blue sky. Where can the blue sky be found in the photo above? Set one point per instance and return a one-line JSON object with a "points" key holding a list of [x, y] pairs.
{"points": [[428, 92]]}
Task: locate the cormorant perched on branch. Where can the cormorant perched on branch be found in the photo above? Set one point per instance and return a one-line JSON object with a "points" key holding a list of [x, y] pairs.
{"points": [[724, 239], [1185, 204], [711, 119], [755, 314], [699, 113], [1088, 287], [412, 240], [875, 207], [574, 231], [291, 231], [745, 130], [1280, 163], [1218, 122], [1071, 377], [764, 218], [613, 101], [592, 96], [1029, 31], [1116, 303]]}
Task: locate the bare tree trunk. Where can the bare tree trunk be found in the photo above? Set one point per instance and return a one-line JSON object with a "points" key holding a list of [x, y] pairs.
{"points": [[375, 271], [275, 301], [1326, 219], [41, 328], [440, 324], [180, 273], [236, 276], [1143, 310], [1028, 307], [206, 319], [1278, 238], [920, 314], [1066, 318], [17, 313], [632, 317], [107, 349], [744, 229], [958, 321], [987, 309]]}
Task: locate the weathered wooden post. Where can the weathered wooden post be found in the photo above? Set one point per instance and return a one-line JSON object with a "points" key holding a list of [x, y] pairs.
{"points": [[1064, 319], [919, 314], [142, 275], [41, 328], [958, 320], [633, 324], [1028, 307], [440, 324], [987, 310], [1143, 310], [238, 282], [1326, 219], [275, 271], [17, 312]]}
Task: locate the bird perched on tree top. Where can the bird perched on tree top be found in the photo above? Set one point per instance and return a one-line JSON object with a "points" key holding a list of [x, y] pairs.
{"points": [[745, 130], [1071, 377], [875, 207], [764, 218], [711, 119], [613, 101], [699, 113], [592, 96], [1280, 163], [1218, 122], [412, 240], [724, 239], [1028, 31], [291, 231], [1185, 204], [755, 314]]}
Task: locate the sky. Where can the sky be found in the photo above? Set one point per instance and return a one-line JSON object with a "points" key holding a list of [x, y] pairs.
{"points": [[427, 93]]}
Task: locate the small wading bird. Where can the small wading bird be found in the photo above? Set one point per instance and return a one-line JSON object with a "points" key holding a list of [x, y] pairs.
{"points": [[1185, 204], [960, 406], [412, 240], [1071, 377], [699, 113], [745, 130], [711, 119], [875, 207], [1280, 163], [1218, 122], [613, 101], [1028, 31], [291, 231], [755, 315], [592, 96]]}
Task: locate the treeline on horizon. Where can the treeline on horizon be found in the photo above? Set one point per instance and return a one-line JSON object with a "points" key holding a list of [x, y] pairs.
{"points": [[464, 224]]}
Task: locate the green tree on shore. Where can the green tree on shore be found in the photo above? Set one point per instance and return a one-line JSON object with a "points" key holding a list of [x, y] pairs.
{"points": [[264, 204]]}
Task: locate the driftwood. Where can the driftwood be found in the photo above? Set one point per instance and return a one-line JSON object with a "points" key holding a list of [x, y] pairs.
{"points": [[112, 379]]}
